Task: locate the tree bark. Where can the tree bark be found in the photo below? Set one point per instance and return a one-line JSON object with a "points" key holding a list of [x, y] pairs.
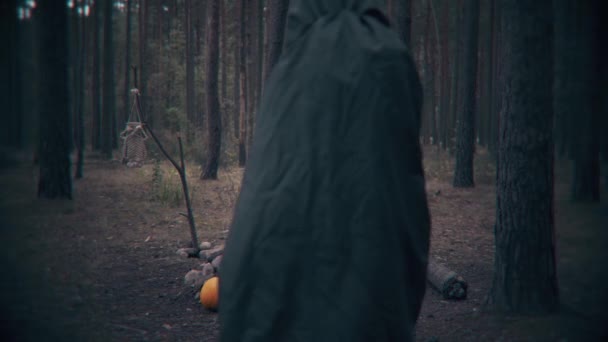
{"points": [[80, 130], [243, 101], [193, 118], [253, 65], [55, 125], [142, 37], [601, 35], [430, 97], [444, 69], [455, 85], [236, 47], [495, 98], [96, 77], [403, 20], [214, 121], [127, 75], [525, 278], [465, 135], [275, 28], [486, 83], [223, 59], [10, 130], [580, 93], [108, 105]]}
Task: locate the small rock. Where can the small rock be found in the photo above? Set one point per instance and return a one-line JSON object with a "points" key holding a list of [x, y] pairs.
{"points": [[187, 252], [195, 278], [213, 253], [205, 245], [208, 270], [217, 262], [202, 255]]}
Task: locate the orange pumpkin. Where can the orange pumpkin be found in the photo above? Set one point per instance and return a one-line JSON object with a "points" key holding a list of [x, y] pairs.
{"points": [[210, 294]]}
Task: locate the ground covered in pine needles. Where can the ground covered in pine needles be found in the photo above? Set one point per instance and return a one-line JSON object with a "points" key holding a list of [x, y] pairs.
{"points": [[104, 267]]}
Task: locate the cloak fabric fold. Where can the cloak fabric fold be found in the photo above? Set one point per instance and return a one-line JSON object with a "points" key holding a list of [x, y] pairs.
{"points": [[330, 236]]}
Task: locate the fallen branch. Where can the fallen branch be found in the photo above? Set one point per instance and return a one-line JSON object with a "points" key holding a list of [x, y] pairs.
{"points": [[446, 281], [181, 170]]}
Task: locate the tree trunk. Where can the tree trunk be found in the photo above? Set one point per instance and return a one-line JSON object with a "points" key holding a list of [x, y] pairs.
{"points": [[223, 57], [55, 125], [80, 144], [244, 99], [253, 63], [566, 40], [455, 85], [495, 99], [442, 115], [525, 278], [108, 105], [236, 47], [127, 75], [403, 20], [275, 28], [96, 78], [142, 70], [430, 97], [10, 128], [465, 135], [212, 107], [579, 96], [193, 118], [601, 35], [486, 83]]}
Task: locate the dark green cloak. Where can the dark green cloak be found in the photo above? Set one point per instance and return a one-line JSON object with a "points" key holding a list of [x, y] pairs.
{"points": [[330, 235]]}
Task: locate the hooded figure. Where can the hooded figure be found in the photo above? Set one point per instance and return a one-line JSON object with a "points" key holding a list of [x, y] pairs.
{"points": [[330, 235]]}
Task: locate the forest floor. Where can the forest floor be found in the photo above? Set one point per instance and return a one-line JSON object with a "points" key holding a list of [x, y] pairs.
{"points": [[104, 267]]}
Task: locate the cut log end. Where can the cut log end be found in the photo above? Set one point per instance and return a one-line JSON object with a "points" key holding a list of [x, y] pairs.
{"points": [[449, 284]]}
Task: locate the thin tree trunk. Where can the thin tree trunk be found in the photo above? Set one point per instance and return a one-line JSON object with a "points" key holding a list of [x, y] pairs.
{"points": [[253, 60], [142, 37], [214, 121], [275, 28], [10, 127], [127, 75], [193, 118], [436, 65], [525, 278], [108, 105], [236, 47], [487, 81], [495, 99], [465, 136], [455, 94], [223, 57], [429, 74], [583, 96], [601, 35], [441, 116], [242, 66], [55, 125], [402, 10], [96, 78], [80, 144]]}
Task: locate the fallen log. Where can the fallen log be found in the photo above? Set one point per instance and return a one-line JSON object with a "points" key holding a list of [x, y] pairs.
{"points": [[447, 282]]}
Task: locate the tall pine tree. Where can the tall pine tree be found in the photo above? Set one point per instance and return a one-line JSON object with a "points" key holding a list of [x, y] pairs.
{"points": [[55, 122], [525, 278]]}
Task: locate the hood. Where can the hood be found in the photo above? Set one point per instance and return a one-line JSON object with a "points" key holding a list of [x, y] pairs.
{"points": [[303, 13]]}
